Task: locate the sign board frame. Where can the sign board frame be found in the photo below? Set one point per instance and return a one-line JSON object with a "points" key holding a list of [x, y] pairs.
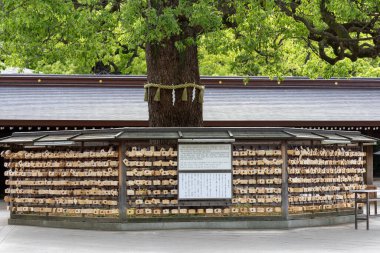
{"points": [[205, 201]]}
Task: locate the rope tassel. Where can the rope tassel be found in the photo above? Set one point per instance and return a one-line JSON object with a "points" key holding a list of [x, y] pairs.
{"points": [[184, 94], [201, 95], [184, 97], [157, 97]]}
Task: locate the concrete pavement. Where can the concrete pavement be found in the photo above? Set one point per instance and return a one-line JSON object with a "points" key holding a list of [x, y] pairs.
{"points": [[342, 238]]}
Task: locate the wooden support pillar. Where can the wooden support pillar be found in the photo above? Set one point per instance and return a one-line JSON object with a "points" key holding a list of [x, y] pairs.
{"points": [[122, 182], [369, 164], [284, 185]]}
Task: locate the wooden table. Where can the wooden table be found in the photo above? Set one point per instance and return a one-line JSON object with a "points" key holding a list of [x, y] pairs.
{"points": [[367, 200]]}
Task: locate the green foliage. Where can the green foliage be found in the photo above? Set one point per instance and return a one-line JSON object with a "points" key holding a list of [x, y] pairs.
{"points": [[56, 37], [268, 42], [256, 38], [293, 59], [336, 29], [217, 54], [145, 23]]}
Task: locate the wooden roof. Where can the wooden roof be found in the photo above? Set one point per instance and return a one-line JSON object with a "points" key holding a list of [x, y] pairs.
{"points": [[141, 133], [118, 101]]}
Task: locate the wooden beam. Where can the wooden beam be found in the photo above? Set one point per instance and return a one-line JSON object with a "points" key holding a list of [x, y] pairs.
{"points": [[122, 182], [369, 165], [207, 123], [284, 185], [37, 80]]}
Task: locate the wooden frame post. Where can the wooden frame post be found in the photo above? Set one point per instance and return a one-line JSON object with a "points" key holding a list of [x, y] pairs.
{"points": [[284, 185], [122, 182], [369, 164]]}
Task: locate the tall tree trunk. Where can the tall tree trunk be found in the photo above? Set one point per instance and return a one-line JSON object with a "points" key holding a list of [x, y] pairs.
{"points": [[169, 66]]}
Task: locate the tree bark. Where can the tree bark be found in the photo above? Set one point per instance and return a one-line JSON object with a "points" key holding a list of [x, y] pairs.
{"points": [[169, 66]]}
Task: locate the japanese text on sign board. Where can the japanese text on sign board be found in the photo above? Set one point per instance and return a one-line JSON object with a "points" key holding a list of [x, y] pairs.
{"points": [[205, 157]]}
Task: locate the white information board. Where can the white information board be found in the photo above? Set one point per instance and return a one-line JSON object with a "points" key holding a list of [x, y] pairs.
{"points": [[204, 157], [193, 186]]}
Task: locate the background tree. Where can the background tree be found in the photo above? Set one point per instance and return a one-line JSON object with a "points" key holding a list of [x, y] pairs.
{"points": [[166, 39], [341, 28]]}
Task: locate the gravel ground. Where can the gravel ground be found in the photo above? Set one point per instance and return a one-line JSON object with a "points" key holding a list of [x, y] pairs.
{"points": [[342, 238]]}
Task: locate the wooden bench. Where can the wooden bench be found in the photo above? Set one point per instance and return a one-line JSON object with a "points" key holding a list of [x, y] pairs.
{"points": [[371, 196]]}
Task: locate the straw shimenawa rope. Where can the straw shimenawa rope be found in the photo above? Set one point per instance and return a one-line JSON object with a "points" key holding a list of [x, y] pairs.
{"points": [[174, 87]]}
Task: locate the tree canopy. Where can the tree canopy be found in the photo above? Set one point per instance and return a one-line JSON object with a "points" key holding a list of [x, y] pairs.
{"points": [[342, 29], [249, 37]]}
